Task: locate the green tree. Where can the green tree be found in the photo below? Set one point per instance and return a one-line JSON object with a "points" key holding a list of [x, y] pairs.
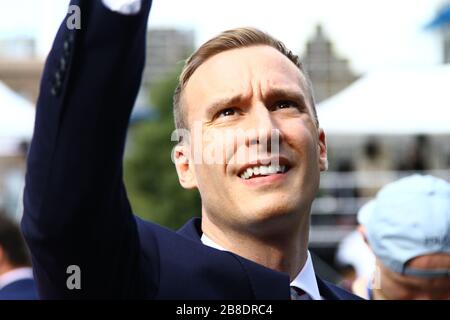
{"points": [[150, 174]]}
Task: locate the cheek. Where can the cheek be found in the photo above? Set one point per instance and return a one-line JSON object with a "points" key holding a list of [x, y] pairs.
{"points": [[442, 290], [396, 288], [217, 147], [210, 177], [301, 138]]}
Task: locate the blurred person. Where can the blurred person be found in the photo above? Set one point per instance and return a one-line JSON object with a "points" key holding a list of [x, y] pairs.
{"points": [[354, 251], [77, 215], [16, 275], [407, 226], [373, 161], [417, 159], [344, 191], [14, 182], [348, 276]]}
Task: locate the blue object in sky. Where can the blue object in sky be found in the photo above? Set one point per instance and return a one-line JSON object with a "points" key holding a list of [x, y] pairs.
{"points": [[441, 19]]}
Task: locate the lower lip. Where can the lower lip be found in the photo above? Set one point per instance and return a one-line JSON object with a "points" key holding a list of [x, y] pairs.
{"points": [[264, 180]]}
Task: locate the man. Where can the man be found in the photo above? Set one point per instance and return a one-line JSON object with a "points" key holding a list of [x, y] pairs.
{"points": [[77, 216], [16, 276], [408, 227], [242, 80]]}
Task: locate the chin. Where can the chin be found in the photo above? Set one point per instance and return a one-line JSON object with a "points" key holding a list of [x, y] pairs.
{"points": [[273, 216]]}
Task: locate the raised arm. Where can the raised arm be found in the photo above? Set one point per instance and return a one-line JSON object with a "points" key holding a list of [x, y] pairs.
{"points": [[76, 209]]}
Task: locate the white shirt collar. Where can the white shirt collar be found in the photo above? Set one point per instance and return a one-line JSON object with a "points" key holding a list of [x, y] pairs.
{"points": [[305, 280], [15, 275], [127, 7]]}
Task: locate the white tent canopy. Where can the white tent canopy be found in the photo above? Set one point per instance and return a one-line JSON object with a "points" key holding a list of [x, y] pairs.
{"points": [[16, 119], [401, 101]]}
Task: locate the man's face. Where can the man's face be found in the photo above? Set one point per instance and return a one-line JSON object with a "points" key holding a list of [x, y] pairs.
{"points": [[240, 98], [394, 286]]}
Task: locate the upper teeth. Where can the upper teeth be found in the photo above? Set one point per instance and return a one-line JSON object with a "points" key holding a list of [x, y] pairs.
{"points": [[262, 170]]}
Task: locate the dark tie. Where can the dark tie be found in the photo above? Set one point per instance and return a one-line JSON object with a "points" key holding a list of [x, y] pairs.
{"points": [[299, 294]]}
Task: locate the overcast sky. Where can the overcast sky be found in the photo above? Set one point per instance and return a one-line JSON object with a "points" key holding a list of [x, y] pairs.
{"points": [[371, 34]]}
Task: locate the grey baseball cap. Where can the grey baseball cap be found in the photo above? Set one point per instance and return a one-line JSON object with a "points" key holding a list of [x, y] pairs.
{"points": [[409, 218]]}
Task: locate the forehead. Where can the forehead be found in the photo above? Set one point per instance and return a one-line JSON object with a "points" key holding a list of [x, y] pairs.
{"points": [[242, 71]]}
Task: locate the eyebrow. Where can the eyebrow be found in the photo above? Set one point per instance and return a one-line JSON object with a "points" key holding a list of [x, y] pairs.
{"points": [[285, 93], [273, 94], [221, 103]]}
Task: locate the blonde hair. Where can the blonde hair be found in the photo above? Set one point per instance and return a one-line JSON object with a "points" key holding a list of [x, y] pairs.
{"points": [[227, 40]]}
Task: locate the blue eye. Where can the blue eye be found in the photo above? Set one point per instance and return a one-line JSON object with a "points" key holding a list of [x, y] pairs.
{"points": [[285, 105], [226, 112]]}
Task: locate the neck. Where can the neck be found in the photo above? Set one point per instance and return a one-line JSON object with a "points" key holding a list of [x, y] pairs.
{"points": [[5, 267], [284, 251]]}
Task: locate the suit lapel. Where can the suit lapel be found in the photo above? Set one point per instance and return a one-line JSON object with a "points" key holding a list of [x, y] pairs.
{"points": [[326, 291], [192, 229], [266, 283]]}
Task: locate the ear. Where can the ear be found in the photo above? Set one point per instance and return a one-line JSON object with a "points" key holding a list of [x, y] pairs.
{"points": [[322, 150], [185, 168]]}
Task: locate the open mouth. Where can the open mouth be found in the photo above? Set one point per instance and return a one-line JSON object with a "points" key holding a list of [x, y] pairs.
{"points": [[261, 171]]}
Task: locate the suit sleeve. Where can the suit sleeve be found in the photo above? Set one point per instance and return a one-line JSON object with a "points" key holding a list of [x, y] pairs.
{"points": [[76, 210]]}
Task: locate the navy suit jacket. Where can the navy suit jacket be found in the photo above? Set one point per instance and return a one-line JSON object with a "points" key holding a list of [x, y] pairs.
{"points": [[24, 289], [76, 210], [192, 230]]}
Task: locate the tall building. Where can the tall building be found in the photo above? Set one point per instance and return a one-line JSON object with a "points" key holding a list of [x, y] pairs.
{"points": [[166, 49], [446, 43], [442, 22], [328, 72]]}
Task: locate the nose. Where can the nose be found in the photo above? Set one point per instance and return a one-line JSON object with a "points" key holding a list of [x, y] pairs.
{"points": [[263, 130]]}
